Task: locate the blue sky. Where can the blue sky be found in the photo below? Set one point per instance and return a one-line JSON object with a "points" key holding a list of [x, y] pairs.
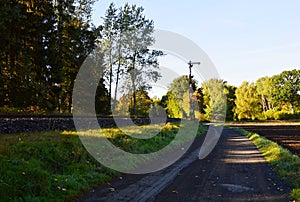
{"points": [[245, 39]]}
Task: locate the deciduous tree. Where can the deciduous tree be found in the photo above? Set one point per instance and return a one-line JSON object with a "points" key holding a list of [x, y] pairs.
{"points": [[248, 105]]}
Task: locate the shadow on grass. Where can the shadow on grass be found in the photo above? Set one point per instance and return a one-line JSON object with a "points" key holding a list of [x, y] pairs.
{"points": [[55, 166]]}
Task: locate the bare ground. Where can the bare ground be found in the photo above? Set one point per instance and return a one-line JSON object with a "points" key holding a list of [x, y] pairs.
{"points": [[287, 136]]}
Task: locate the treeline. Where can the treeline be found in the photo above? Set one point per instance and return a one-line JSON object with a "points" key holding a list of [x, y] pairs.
{"points": [[269, 98], [44, 43], [275, 97], [42, 46]]}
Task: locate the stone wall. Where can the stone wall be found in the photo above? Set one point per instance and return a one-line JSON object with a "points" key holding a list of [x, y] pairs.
{"points": [[21, 124]]}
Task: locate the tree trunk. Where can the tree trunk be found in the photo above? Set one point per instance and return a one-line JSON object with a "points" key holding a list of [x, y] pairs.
{"points": [[133, 77], [110, 71], [117, 79]]}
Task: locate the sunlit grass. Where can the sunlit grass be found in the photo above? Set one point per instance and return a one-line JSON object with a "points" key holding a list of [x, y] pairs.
{"points": [[286, 164], [54, 166], [263, 123]]}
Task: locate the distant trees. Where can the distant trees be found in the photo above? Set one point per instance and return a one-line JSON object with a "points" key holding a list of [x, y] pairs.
{"points": [[143, 104], [214, 99], [287, 85], [275, 97], [177, 99], [247, 102]]}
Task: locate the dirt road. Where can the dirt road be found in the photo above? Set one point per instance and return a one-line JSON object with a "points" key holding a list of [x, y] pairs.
{"points": [[234, 171]]}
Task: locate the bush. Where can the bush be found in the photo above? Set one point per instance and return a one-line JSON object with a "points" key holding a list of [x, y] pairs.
{"points": [[280, 115]]}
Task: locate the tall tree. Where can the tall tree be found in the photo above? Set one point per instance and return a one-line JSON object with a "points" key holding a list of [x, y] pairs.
{"points": [[127, 34], [142, 64], [26, 27], [73, 39], [42, 48], [108, 42]]}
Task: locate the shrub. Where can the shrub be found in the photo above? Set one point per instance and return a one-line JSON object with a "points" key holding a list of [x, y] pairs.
{"points": [[279, 115]]}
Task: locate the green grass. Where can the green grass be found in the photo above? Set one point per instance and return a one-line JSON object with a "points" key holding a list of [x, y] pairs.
{"points": [[286, 164], [54, 166], [263, 123]]}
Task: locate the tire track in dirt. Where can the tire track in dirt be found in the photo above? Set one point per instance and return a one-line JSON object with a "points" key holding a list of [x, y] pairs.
{"points": [[234, 171]]}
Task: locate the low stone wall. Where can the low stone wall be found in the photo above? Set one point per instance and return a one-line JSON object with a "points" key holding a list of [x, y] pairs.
{"points": [[22, 124]]}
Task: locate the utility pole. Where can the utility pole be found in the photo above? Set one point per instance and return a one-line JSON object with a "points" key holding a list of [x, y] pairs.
{"points": [[192, 113]]}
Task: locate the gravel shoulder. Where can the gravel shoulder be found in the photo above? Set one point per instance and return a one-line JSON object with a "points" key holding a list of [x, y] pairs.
{"points": [[234, 171]]}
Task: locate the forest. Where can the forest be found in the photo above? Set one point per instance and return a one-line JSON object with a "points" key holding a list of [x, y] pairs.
{"points": [[44, 43]]}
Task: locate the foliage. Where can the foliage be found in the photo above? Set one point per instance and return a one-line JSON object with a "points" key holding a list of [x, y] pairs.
{"points": [[177, 99], [172, 105], [214, 99], [287, 86], [54, 166], [143, 104], [230, 95], [265, 89], [286, 164], [247, 102], [102, 101], [280, 115], [42, 48], [126, 38], [156, 108]]}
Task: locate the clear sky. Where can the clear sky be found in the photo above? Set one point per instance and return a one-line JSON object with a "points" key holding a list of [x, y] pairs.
{"points": [[245, 39]]}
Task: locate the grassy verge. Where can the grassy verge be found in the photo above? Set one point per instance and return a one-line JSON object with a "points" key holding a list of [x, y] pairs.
{"points": [[263, 123], [54, 166], [286, 164]]}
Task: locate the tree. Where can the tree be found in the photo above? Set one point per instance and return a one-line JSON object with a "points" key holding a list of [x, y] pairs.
{"points": [[247, 102], [143, 105], [287, 86], [141, 63], [178, 97], [172, 105], [127, 34], [265, 88], [230, 96], [214, 99], [25, 27], [74, 37], [102, 99], [108, 41], [43, 46]]}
